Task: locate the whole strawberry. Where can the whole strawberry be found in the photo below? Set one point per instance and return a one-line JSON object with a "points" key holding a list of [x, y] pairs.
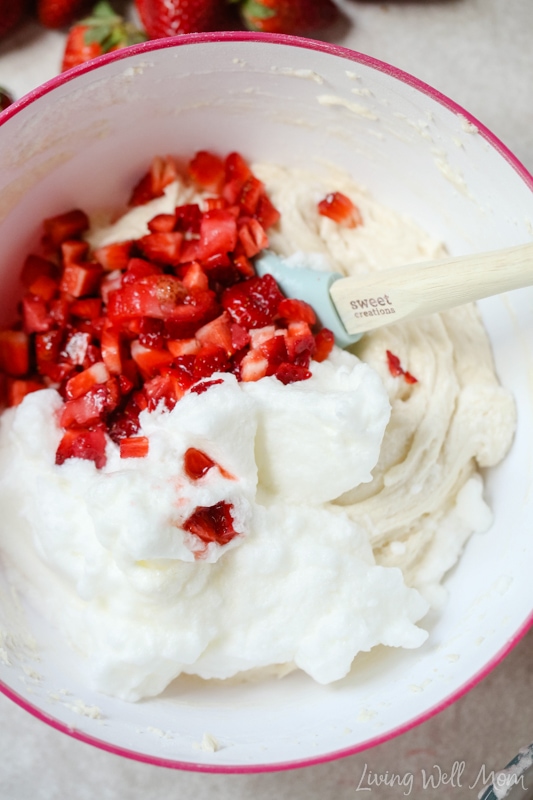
{"points": [[287, 16], [60, 13], [11, 12], [100, 33], [163, 18]]}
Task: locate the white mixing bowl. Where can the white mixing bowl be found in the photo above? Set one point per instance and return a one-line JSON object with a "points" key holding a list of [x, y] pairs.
{"points": [[81, 140]]}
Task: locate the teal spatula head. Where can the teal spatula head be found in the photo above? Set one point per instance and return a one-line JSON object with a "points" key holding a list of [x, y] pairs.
{"points": [[311, 285]]}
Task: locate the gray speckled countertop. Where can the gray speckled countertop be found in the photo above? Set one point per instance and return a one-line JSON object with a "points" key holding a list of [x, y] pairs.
{"points": [[479, 53]]}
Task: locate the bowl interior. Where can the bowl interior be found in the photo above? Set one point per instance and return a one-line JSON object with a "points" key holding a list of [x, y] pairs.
{"points": [[83, 140]]}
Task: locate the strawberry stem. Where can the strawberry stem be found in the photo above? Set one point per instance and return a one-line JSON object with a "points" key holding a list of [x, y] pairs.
{"points": [[108, 29]]}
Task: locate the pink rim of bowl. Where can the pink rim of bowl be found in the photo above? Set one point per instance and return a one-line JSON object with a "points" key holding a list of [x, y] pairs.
{"points": [[496, 144]]}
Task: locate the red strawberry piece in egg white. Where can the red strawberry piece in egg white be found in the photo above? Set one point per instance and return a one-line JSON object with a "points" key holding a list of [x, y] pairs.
{"points": [[212, 523], [338, 207], [134, 447]]}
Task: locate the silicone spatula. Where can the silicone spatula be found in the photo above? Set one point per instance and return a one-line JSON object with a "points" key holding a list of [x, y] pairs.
{"points": [[352, 306]]}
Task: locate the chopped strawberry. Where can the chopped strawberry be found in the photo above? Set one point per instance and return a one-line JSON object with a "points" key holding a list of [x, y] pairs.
{"points": [[396, 369], [293, 310], [73, 251], [157, 296], [70, 225], [134, 447], [220, 271], [125, 421], [290, 373], [35, 267], [239, 337], [80, 383], [236, 169], [252, 236], [324, 341], [212, 523], [162, 223], [201, 307], [86, 410], [167, 388], [60, 311], [110, 283], [87, 308], [163, 248], [35, 315], [80, 279], [47, 349], [212, 203], [92, 407], [183, 347], [340, 209], [194, 277], [218, 233], [260, 335], [162, 172], [14, 352], [112, 349], [253, 303], [190, 250], [266, 212], [275, 352], [114, 256], [86, 443], [231, 192], [125, 385], [197, 463], [93, 355], [251, 192], [139, 268], [300, 343], [244, 266], [152, 333], [188, 218], [44, 286], [217, 332], [207, 170], [149, 360], [253, 366], [210, 358]]}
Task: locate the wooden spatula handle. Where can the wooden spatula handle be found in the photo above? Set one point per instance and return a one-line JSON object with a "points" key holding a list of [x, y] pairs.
{"points": [[377, 299]]}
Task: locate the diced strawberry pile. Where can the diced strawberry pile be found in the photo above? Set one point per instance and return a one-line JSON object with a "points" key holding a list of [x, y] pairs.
{"points": [[136, 324]]}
